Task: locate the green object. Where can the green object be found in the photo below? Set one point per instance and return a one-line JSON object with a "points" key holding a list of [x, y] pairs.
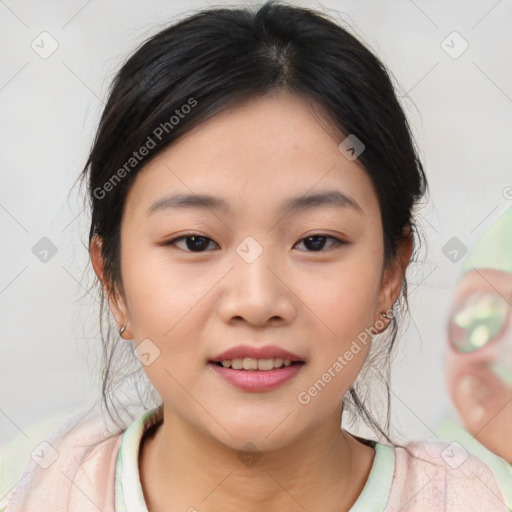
{"points": [[494, 249], [481, 318]]}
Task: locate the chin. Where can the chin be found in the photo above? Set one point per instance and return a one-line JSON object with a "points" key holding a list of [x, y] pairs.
{"points": [[260, 436]]}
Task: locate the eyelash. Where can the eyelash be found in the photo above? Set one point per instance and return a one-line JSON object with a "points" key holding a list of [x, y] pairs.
{"points": [[337, 241]]}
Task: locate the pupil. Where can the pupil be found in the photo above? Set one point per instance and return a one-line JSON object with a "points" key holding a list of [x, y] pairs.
{"points": [[315, 245], [194, 246]]}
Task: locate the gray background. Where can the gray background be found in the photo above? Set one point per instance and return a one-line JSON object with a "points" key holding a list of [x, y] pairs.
{"points": [[460, 110]]}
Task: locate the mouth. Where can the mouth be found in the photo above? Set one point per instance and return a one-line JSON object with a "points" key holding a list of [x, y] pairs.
{"points": [[252, 364], [257, 369], [257, 375]]}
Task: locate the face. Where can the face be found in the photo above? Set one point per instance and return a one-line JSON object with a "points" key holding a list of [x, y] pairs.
{"points": [[248, 273], [479, 363]]}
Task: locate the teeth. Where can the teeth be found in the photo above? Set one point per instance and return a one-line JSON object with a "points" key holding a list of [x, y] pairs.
{"points": [[237, 364], [265, 364], [248, 363]]}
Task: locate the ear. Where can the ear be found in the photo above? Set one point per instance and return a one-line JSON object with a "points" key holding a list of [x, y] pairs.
{"points": [[393, 275], [116, 303]]}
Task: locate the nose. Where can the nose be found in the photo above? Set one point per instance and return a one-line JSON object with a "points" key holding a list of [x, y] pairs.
{"points": [[258, 291]]}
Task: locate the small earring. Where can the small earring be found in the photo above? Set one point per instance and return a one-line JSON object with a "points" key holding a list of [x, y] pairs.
{"points": [[384, 315], [123, 328]]}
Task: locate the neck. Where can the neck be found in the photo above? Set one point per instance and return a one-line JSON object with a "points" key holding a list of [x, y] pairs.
{"points": [[182, 467]]}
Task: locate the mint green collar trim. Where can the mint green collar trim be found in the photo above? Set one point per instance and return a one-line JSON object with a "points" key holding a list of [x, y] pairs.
{"points": [[128, 487], [375, 495]]}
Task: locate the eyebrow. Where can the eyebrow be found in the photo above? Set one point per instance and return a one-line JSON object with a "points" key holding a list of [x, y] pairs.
{"points": [[328, 198]]}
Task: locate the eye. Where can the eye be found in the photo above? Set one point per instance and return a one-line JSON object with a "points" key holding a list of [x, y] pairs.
{"points": [[193, 242], [317, 241], [479, 320], [198, 243]]}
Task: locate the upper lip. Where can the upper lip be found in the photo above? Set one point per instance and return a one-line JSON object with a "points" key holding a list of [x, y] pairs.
{"points": [[267, 352]]}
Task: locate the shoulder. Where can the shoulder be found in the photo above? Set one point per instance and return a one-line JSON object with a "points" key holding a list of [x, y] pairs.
{"points": [[15, 453], [435, 475], [73, 465]]}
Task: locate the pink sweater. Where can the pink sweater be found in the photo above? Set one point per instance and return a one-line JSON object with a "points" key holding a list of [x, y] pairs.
{"points": [[84, 467]]}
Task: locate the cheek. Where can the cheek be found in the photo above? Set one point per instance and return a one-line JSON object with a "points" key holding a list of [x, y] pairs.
{"points": [[160, 294], [168, 304], [344, 303], [349, 297], [163, 302]]}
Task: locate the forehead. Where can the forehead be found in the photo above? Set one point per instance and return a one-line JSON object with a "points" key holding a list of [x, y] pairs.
{"points": [[258, 152]]}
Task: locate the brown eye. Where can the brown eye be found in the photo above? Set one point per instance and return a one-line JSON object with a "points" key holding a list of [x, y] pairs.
{"points": [[480, 319], [198, 243], [317, 242], [193, 242]]}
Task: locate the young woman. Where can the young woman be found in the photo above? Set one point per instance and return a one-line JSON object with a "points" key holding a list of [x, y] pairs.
{"points": [[252, 185]]}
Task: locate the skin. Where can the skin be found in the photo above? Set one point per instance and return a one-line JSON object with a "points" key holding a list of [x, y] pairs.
{"points": [[482, 399], [195, 305]]}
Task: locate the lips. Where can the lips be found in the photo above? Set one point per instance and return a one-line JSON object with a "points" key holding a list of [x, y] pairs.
{"points": [[257, 381], [268, 352]]}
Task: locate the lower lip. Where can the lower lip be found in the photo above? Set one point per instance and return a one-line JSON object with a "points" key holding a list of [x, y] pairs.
{"points": [[257, 380]]}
